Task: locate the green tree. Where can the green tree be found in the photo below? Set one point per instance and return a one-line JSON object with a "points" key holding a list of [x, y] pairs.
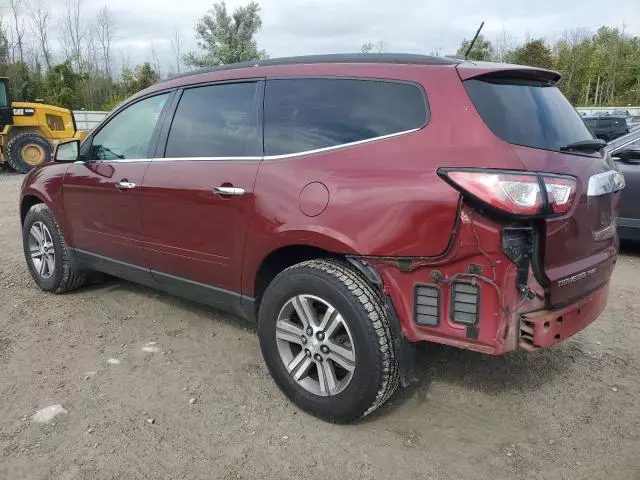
{"points": [[371, 47], [61, 86], [482, 50], [534, 53], [227, 38], [145, 76]]}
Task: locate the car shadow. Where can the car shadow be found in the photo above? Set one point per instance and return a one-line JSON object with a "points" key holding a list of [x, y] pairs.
{"points": [[101, 283], [629, 247], [435, 363], [491, 375]]}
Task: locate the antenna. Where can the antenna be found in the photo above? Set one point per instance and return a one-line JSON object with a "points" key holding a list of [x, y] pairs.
{"points": [[473, 41]]}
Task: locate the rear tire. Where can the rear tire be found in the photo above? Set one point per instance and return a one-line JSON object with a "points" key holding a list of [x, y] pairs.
{"points": [[350, 369], [47, 254], [26, 151]]}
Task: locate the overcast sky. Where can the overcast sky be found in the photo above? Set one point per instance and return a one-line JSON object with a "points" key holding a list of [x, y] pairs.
{"points": [[296, 27]]}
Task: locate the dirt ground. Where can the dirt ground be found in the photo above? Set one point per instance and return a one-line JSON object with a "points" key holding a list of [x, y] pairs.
{"points": [[572, 412]]}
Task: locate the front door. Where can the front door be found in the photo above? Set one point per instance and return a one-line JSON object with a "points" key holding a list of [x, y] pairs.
{"points": [[102, 193], [198, 197]]}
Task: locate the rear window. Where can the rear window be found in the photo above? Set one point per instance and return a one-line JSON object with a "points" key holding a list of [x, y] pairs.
{"points": [[526, 112], [311, 113], [590, 122]]}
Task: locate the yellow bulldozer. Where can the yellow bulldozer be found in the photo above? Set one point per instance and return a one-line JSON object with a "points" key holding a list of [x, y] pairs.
{"points": [[30, 130]]}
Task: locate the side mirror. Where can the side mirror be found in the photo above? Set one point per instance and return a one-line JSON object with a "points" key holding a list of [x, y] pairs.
{"points": [[67, 151]]}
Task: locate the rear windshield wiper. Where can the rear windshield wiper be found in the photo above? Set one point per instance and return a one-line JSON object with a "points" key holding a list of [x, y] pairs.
{"points": [[585, 146]]}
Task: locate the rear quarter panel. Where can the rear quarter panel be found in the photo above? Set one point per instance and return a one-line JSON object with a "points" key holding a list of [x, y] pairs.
{"points": [[385, 197]]}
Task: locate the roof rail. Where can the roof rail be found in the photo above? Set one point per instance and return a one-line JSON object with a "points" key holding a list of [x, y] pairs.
{"points": [[400, 58]]}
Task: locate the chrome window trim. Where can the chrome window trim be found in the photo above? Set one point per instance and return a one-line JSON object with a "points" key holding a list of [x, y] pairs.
{"points": [[606, 182], [115, 160], [204, 159], [258, 158], [342, 145]]}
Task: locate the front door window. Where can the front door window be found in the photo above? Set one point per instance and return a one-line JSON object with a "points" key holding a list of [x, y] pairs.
{"points": [[128, 134]]}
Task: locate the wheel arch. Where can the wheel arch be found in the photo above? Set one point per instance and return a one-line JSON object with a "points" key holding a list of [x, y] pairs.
{"points": [[28, 201], [280, 259], [39, 187]]}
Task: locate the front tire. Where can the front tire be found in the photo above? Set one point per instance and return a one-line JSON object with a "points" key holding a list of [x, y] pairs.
{"points": [[327, 341], [47, 255]]}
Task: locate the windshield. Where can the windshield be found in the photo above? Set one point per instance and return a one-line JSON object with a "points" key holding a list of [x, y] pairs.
{"points": [[527, 112]]}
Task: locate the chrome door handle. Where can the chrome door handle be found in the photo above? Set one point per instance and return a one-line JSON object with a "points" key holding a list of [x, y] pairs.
{"points": [[229, 191], [124, 185]]}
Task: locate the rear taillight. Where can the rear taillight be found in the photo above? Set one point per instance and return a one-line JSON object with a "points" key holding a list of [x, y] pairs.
{"points": [[515, 193], [560, 192]]}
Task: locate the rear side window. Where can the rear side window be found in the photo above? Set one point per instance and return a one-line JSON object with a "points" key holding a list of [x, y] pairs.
{"points": [[529, 113], [311, 113], [215, 121]]}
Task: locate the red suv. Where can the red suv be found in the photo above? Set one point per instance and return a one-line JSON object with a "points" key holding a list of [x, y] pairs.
{"points": [[352, 204]]}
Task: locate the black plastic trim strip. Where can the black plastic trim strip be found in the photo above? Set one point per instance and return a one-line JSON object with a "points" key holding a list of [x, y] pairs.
{"points": [[226, 300]]}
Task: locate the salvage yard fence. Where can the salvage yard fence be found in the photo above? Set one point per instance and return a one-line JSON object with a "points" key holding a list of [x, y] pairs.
{"points": [[87, 120]]}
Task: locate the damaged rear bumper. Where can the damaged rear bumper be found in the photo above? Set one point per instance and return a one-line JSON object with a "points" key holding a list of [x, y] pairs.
{"points": [[475, 296], [545, 328]]}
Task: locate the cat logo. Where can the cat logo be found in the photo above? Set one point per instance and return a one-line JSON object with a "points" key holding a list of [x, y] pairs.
{"points": [[24, 112]]}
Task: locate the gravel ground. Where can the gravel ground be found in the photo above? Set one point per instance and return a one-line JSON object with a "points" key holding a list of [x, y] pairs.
{"points": [[151, 386]]}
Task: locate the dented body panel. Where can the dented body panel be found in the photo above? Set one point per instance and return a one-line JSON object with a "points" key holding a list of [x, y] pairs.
{"points": [[380, 203]]}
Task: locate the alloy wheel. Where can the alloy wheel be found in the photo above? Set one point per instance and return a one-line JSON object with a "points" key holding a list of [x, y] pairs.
{"points": [[41, 250], [315, 345]]}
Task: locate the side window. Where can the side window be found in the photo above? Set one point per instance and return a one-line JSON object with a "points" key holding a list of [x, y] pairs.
{"points": [[311, 113], [604, 123], [128, 134], [216, 121]]}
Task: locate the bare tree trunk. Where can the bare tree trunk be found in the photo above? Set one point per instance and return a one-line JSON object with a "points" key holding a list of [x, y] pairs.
{"points": [[155, 60], [39, 16], [19, 26], [73, 32], [586, 97], [176, 45], [597, 91], [105, 31], [614, 62]]}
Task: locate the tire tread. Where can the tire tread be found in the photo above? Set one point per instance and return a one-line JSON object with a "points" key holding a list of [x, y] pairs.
{"points": [[71, 279], [372, 306]]}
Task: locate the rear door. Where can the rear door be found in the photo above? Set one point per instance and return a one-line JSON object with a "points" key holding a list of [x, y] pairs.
{"points": [[198, 197], [531, 114], [102, 193]]}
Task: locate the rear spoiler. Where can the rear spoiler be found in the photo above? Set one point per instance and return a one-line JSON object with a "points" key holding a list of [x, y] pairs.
{"points": [[468, 70]]}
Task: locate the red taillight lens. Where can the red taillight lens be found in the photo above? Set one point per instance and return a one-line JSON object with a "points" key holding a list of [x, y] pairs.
{"points": [[515, 193], [560, 191]]}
